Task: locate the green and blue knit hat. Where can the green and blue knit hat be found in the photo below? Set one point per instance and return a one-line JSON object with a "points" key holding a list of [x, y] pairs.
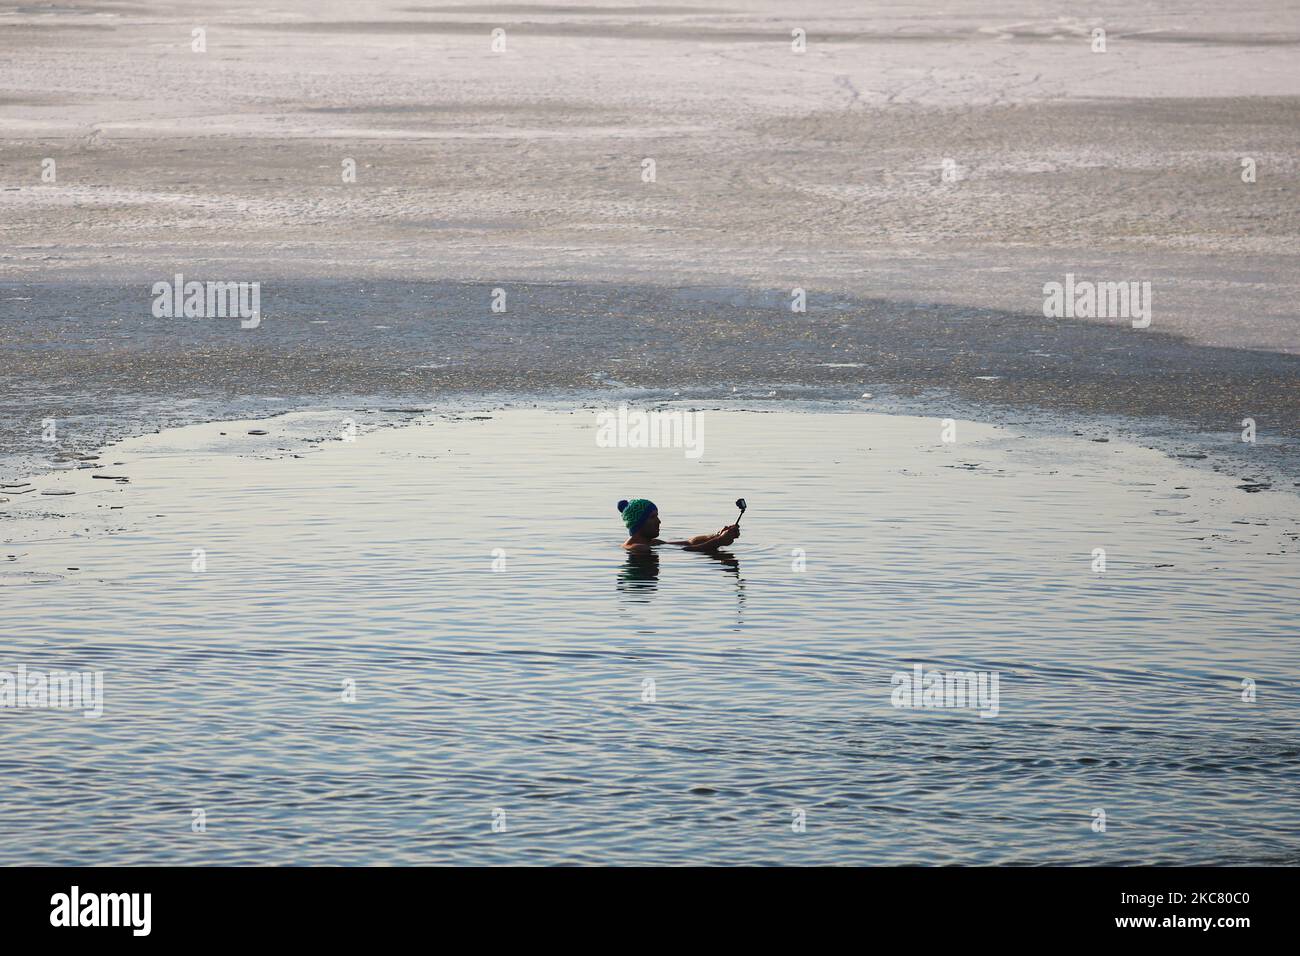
{"points": [[635, 512]]}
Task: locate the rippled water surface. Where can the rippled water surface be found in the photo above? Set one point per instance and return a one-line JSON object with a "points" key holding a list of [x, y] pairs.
{"points": [[523, 689]]}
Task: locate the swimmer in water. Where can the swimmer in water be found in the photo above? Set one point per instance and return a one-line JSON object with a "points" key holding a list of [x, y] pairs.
{"points": [[642, 520]]}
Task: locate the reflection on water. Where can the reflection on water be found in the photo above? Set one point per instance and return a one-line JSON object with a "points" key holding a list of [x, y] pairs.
{"points": [[639, 575], [728, 561], [467, 602], [730, 564]]}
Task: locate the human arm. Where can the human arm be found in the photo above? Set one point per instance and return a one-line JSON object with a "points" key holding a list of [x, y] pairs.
{"points": [[710, 542]]}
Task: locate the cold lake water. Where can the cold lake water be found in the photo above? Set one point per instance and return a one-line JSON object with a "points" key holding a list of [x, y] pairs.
{"points": [[425, 646]]}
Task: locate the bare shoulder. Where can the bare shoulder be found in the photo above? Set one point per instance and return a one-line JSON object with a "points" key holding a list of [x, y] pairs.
{"points": [[636, 547]]}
